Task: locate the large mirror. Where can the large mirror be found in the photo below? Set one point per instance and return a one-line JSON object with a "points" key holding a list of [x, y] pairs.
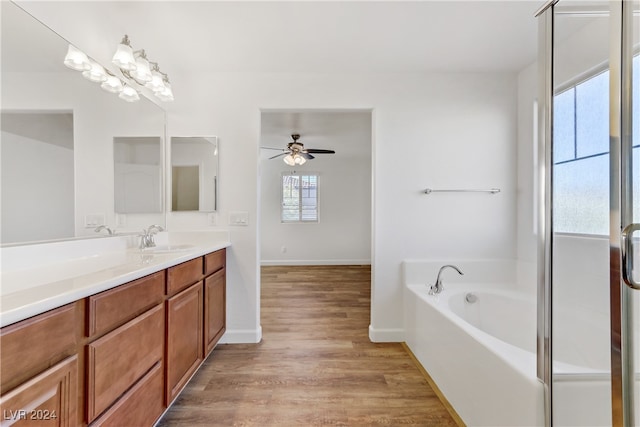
{"points": [[194, 173], [57, 146]]}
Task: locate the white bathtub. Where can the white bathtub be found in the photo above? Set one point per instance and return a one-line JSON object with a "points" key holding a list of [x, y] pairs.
{"points": [[481, 355]]}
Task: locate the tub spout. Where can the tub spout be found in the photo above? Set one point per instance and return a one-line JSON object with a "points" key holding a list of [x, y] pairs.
{"points": [[438, 287]]}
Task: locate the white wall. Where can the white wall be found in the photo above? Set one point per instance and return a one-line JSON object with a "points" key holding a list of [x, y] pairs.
{"points": [[343, 233], [430, 130]]}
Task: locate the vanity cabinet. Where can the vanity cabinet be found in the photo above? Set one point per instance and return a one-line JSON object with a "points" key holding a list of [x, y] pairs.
{"points": [[119, 357]]}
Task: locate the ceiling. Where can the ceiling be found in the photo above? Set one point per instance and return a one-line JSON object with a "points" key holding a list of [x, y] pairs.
{"points": [[347, 132], [305, 36]]}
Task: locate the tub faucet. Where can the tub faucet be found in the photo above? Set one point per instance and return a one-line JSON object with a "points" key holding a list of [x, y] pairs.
{"points": [[146, 238], [438, 287], [104, 227]]}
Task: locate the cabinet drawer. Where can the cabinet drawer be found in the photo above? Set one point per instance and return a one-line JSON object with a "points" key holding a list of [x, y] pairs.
{"points": [[214, 261], [140, 406], [33, 345], [119, 359], [214, 310], [114, 307], [183, 275], [184, 338], [49, 399]]}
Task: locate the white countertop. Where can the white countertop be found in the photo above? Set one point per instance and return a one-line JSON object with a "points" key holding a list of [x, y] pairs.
{"points": [[73, 270]]}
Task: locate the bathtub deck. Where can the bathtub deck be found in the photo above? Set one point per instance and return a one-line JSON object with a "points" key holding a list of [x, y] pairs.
{"points": [[315, 365]]}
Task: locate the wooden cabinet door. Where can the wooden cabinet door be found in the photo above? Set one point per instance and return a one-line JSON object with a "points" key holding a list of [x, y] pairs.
{"points": [[184, 338], [49, 399], [214, 309], [119, 359]]}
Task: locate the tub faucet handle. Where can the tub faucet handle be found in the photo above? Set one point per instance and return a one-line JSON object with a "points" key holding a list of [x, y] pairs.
{"points": [[438, 286]]}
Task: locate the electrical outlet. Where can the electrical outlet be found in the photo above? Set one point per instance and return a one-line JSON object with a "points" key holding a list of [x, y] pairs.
{"points": [[94, 220], [211, 218], [121, 220]]}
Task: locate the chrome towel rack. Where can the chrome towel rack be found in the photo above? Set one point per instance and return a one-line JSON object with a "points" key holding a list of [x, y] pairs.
{"points": [[491, 190]]}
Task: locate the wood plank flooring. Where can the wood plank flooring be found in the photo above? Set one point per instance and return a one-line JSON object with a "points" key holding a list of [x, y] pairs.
{"points": [[315, 365]]}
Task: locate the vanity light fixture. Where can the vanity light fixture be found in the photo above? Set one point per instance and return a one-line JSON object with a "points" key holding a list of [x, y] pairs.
{"points": [[76, 59], [136, 67]]}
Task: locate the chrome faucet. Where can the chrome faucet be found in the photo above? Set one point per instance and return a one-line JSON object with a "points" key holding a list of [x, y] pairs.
{"points": [[146, 238], [438, 287], [104, 227]]}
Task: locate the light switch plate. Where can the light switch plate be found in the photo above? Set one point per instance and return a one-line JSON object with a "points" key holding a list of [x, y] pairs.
{"points": [[239, 218]]}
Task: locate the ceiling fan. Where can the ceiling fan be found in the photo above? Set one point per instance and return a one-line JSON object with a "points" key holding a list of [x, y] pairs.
{"points": [[296, 154]]}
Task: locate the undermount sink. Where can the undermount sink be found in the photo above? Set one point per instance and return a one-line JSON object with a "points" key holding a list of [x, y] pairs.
{"points": [[161, 249]]}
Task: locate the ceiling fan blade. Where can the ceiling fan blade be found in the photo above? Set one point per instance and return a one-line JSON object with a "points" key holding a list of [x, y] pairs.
{"points": [[271, 148], [319, 151], [277, 155], [307, 155]]}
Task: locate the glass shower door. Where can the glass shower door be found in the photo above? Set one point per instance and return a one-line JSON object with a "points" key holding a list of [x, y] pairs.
{"points": [[592, 198], [580, 196]]}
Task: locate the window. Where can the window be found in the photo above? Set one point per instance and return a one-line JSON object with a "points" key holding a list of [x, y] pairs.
{"points": [[581, 155], [299, 197]]}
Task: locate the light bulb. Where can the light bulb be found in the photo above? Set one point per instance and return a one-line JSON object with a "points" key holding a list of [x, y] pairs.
{"points": [[129, 94], [123, 58], [165, 94], [112, 84], [142, 73], [157, 82], [76, 59], [96, 74]]}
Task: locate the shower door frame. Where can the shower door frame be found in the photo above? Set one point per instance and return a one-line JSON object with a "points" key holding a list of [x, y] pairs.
{"points": [[620, 208]]}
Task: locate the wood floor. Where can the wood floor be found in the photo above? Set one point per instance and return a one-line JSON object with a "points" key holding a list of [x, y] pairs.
{"points": [[314, 366]]}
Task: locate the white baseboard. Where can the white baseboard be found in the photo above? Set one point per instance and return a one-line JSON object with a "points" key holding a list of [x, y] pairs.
{"points": [[268, 262], [386, 335], [242, 336]]}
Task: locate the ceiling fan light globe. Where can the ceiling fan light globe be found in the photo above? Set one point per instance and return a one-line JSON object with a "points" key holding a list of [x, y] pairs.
{"points": [[299, 160], [288, 159]]}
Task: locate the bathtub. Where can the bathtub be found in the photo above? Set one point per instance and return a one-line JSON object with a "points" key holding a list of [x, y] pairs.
{"points": [[482, 354]]}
